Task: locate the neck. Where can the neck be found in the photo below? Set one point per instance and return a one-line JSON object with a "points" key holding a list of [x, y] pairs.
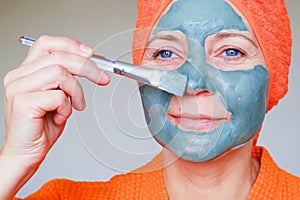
{"points": [[229, 176]]}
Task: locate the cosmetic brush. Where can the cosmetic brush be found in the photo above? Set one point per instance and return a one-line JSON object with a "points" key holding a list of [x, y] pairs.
{"points": [[170, 81]]}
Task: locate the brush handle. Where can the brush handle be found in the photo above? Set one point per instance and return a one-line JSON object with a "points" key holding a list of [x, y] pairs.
{"points": [[144, 75], [153, 77]]}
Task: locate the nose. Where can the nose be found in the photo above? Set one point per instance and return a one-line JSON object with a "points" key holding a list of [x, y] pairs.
{"points": [[196, 81], [200, 77]]}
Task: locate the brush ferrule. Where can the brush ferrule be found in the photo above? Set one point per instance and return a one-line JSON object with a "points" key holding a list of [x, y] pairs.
{"points": [[144, 75]]}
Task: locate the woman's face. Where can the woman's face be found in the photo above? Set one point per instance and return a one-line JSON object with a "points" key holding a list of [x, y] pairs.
{"points": [[226, 95]]}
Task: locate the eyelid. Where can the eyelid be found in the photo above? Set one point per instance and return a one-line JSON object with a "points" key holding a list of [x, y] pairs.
{"points": [[168, 48], [224, 48], [214, 44], [153, 60], [225, 36]]}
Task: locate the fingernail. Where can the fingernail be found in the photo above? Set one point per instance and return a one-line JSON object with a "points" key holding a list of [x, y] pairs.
{"points": [[86, 49], [105, 78]]}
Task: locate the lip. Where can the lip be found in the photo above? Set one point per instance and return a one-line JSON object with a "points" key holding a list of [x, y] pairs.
{"points": [[199, 122]]}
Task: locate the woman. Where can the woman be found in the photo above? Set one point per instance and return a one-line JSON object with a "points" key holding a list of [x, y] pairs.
{"points": [[236, 58]]}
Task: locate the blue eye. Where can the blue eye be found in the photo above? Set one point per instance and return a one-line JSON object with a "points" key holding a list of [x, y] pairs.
{"points": [[165, 54], [232, 52]]}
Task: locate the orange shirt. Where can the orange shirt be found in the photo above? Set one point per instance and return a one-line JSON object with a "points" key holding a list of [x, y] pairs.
{"points": [[272, 183]]}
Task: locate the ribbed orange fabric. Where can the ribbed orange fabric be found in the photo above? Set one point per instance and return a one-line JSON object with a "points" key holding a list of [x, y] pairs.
{"points": [[272, 183], [267, 18]]}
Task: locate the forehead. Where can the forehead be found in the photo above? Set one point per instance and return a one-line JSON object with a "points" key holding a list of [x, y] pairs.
{"points": [[200, 18]]}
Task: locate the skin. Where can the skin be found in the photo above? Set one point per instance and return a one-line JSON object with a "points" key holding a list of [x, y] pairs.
{"points": [[41, 92], [39, 97], [229, 176], [225, 102], [208, 132]]}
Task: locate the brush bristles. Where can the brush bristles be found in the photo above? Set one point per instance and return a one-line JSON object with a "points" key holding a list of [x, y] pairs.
{"points": [[173, 82]]}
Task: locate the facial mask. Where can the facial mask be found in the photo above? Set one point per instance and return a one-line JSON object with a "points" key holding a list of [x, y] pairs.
{"points": [[243, 93]]}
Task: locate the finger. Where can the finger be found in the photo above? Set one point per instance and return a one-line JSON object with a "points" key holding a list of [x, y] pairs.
{"points": [[62, 113], [47, 44], [76, 65], [49, 78], [34, 106]]}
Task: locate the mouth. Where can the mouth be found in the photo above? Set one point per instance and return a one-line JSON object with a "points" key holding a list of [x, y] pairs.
{"points": [[199, 123]]}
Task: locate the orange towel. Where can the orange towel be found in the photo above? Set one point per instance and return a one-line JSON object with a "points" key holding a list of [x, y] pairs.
{"points": [[269, 21], [272, 183]]}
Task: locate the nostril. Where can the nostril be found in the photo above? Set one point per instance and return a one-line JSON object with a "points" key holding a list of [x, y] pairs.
{"points": [[197, 87], [199, 91]]}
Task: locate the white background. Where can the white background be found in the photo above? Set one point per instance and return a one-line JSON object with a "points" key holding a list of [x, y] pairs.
{"points": [[83, 152]]}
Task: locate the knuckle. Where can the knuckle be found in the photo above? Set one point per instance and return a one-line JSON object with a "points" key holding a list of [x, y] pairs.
{"points": [[57, 55], [61, 96], [9, 91], [43, 39], [71, 43], [58, 71], [7, 78]]}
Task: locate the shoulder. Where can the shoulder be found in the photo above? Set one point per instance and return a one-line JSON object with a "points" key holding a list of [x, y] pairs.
{"points": [[289, 182], [272, 181], [144, 183], [132, 185], [59, 188]]}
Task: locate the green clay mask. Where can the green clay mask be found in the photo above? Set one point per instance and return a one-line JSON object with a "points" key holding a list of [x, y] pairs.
{"points": [[242, 92]]}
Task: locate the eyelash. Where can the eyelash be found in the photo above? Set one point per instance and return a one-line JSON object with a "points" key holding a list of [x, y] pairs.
{"points": [[228, 58], [241, 54], [157, 53]]}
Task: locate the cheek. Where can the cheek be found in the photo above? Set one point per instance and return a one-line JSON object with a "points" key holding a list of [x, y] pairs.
{"points": [[247, 98], [174, 105], [155, 103]]}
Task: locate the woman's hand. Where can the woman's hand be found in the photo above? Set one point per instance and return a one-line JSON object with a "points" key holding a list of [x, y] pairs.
{"points": [[39, 97]]}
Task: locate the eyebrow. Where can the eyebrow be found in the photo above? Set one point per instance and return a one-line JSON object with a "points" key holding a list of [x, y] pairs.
{"points": [[228, 35], [167, 37]]}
